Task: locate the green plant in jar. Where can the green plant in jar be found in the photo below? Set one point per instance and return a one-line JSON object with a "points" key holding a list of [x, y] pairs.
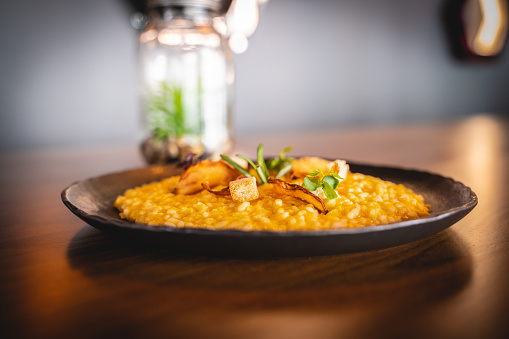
{"points": [[170, 116], [175, 121]]}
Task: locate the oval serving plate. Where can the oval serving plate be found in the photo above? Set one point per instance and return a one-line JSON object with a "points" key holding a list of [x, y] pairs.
{"points": [[92, 201]]}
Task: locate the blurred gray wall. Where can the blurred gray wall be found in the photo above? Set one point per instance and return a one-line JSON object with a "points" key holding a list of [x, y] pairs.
{"points": [[68, 70]]}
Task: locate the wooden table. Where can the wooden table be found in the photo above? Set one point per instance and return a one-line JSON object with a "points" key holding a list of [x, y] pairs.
{"points": [[60, 278]]}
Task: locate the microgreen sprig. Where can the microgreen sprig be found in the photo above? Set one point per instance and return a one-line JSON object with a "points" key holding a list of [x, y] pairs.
{"points": [[262, 169], [281, 164], [235, 165], [328, 182]]}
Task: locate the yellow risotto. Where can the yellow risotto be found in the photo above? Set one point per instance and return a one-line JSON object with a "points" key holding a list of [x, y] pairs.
{"points": [[363, 200]]}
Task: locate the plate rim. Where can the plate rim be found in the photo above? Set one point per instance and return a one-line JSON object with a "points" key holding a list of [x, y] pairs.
{"points": [[121, 223]]}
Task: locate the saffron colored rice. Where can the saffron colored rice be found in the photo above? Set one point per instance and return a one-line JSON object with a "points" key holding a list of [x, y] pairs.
{"points": [[363, 201]]}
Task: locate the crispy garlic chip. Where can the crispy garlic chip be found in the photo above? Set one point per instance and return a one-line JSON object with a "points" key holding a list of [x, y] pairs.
{"points": [[223, 192], [299, 192], [303, 166], [214, 172]]}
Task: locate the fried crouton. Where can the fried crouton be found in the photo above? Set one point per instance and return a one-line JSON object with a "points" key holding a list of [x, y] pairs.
{"points": [[244, 189]]}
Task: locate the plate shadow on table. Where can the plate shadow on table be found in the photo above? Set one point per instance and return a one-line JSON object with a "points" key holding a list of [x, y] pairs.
{"points": [[425, 271]]}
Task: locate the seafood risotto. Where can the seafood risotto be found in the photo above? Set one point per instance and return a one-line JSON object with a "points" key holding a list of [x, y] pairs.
{"points": [[305, 194]]}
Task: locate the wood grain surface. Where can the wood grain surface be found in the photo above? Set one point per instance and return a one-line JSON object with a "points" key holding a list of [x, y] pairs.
{"points": [[60, 278]]}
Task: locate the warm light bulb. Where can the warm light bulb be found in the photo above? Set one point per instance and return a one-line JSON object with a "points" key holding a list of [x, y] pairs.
{"points": [[243, 17], [238, 43], [486, 26], [242, 20]]}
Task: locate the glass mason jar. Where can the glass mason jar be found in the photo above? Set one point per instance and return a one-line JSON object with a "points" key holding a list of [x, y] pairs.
{"points": [[187, 81]]}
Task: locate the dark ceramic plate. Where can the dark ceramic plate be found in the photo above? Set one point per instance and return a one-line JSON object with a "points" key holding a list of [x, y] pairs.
{"points": [[92, 201]]}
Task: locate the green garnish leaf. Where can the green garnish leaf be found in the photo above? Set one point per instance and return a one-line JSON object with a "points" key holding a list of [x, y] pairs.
{"points": [[316, 173], [247, 159], [262, 176], [282, 172], [335, 175], [282, 164], [310, 184], [332, 181], [329, 192], [328, 183], [278, 163], [316, 180], [235, 165], [282, 155], [261, 161]]}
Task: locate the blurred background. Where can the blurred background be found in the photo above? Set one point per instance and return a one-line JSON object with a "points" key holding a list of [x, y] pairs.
{"points": [[68, 69]]}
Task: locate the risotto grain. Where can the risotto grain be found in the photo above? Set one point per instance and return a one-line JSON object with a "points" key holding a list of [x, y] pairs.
{"points": [[363, 201]]}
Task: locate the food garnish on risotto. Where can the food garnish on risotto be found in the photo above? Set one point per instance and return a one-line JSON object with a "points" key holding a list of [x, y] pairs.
{"points": [[279, 194]]}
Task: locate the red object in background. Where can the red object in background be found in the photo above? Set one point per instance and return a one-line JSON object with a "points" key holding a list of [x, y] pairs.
{"points": [[477, 29]]}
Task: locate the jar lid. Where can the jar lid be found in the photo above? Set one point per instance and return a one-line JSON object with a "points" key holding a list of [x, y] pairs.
{"points": [[220, 6]]}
